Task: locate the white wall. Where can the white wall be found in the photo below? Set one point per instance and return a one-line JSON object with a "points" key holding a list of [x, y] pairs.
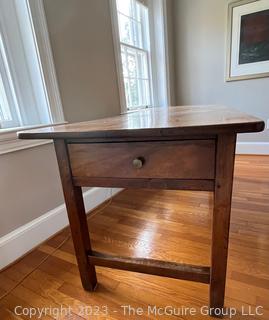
{"points": [[200, 49], [81, 38], [29, 186]]}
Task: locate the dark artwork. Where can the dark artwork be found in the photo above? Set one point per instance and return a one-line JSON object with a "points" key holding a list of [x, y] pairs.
{"points": [[254, 37]]}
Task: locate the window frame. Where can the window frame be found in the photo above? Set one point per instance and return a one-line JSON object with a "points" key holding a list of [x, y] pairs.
{"points": [[157, 11], [8, 137], [143, 48]]}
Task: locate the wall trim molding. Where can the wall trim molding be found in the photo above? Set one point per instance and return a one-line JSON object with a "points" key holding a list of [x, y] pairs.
{"points": [[258, 148], [48, 71], [9, 141], [23, 239]]}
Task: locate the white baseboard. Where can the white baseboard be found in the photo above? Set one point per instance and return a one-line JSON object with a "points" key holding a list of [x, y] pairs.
{"points": [[18, 242], [259, 148]]}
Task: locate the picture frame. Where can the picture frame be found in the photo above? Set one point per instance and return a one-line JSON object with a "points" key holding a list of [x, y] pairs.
{"points": [[247, 40]]}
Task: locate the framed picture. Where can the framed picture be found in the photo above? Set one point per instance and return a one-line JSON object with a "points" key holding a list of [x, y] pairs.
{"points": [[248, 40]]}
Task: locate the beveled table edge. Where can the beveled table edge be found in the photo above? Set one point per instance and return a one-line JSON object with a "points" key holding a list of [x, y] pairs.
{"points": [[247, 127]]}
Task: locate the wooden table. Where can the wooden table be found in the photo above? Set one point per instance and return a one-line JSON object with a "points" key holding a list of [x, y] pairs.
{"points": [[190, 148]]}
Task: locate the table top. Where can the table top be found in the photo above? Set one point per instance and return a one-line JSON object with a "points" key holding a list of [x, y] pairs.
{"points": [[155, 122]]}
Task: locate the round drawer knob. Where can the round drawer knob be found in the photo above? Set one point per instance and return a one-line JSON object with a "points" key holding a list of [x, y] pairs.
{"points": [[138, 163]]}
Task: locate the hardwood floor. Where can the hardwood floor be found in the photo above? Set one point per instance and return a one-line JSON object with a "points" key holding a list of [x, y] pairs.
{"points": [[168, 225]]}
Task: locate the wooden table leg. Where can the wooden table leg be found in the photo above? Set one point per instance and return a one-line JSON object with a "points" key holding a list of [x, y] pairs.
{"points": [[221, 218], [77, 218]]}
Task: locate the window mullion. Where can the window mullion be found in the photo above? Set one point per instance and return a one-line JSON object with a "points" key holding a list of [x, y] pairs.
{"points": [[138, 85], [133, 47], [129, 83], [144, 44], [149, 78], [139, 60]]}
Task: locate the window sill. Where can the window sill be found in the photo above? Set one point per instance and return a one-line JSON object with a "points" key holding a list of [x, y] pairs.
{"points": [[9, 141], [132, 110]]}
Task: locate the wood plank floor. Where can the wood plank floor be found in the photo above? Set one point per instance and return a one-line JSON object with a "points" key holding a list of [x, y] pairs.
{"points": [[169, 225]]}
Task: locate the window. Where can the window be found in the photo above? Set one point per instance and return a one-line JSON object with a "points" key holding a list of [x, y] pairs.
{"points": [[139, 57], [135, 52], [25, 99], [9, 116]]}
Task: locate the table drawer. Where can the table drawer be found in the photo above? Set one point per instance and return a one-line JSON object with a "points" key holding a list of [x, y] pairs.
{"points": [[188, 159]]}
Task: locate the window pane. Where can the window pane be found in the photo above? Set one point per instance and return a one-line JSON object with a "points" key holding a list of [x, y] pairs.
{"points": [[131, 8], [142, 64], [131, 93], [134, 62], [124, 6], [145, 29], [145, 92], [130, 31], [8, 112], [125, 28], [138, 10], [137, 34], [137, 93], [127, 92], [124, 61], [134, 98], [131, 64], [5, 114]]}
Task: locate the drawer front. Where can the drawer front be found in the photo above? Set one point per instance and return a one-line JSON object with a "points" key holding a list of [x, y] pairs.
{"points": [[188, 159]]}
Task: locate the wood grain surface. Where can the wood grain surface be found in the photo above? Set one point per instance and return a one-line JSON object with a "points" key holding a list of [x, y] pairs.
{"points": [[166, 225], [152, 266], [221, 218], [155, 122], [77, 218], [190, 159]]}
